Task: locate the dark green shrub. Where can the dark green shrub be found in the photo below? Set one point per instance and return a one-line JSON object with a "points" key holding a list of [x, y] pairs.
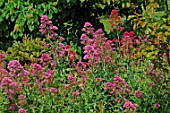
{"points": [[19, 17]]}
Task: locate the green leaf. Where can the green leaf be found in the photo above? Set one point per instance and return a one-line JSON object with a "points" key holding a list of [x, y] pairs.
{"points": [[82, 1], [21, 34], [13, 18], [1, 18], [68, 1], [15, 36], [50, 14], [1, 2], [31, 27], [107, 1], [7, 16], [55, 9]]}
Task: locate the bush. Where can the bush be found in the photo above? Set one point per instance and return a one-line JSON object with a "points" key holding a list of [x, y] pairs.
{"points": [[108, 80], [20, 17]]}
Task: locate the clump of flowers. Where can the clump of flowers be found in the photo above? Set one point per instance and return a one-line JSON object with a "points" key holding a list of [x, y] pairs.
{"points": [[16, 69], [2, 60], [37, 69], [46, 59], [157, 105], [115, 21], [128, 42], [12, 107], [75, 94], [119, 86], [97, 48], [71, 79], [8, 86], [22, 99], [129, 107], [65, 53], [48, 29], [21, 110], [53, 91], [138, 94]]}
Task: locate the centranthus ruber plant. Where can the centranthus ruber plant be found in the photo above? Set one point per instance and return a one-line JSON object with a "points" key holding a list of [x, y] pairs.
{"points": [[107, 79], [98, 50], [48, 29]]}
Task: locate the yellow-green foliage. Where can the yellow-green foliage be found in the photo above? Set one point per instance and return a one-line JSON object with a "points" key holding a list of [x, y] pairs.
{"points": [[27, 50], [158, 31]]}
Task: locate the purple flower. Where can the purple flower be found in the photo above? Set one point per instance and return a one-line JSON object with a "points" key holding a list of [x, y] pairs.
{"points": [[84, 37], [53, 90], [75, 94], [86, 57], [37, 69], [71, 79], [23, 73], [138, 94], [61, 38], [48, 29], [98, 32], [6, 81], [157, 105], [12, 107], [81, 64], [43, 31], [21, 97], [12, 92], [49, 22], [87, 24], [14, 66], [88, 48], [99, 79], [108, 86], [44, 18], [21, 110], [55, 28], [128, 104], [45, 59]]}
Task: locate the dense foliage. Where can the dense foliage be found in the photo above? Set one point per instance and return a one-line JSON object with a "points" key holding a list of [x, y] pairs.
{"points": [[127, 72], [22, 17]]}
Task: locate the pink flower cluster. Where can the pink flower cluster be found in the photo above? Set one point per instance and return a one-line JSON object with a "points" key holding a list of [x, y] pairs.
{"points": [[12, 107], [97, 47], [64, 51], [129, 107], [75, 94], [138, 94], [47, 60], [8, 86], [21, 99], [81, 68], [44, 78], [21, 110], [53, 91], [115, 21], [157, 105], [88, 28], [2, 57], [128, 41], [71, 79], [48, 29], [37, 69], [14, 67], [2, 60], [119, 86]]}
